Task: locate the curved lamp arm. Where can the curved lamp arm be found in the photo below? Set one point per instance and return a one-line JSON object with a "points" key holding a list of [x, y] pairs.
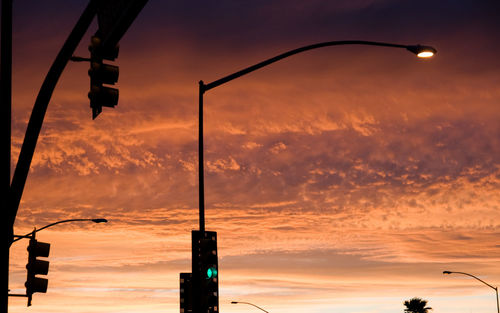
{"points": [[95, 220], [449, 272], [419, 50], [236, 302], [494, 288]]}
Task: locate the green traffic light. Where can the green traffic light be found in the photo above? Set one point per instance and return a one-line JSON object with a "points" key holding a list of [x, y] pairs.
{"points": [[211, 273]]}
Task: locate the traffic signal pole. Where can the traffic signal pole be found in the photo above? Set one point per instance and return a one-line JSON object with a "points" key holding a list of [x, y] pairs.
{"points": [[201, 162]]}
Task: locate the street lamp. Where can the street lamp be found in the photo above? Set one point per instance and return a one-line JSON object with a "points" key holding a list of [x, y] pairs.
{"points": [[495, 288], [95, 220], [236, 302], [419, 50]]}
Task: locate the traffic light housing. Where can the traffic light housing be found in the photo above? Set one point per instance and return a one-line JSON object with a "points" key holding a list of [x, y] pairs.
{"points": [[101, 73], [36, 267], [186, 293], [205, 272]]}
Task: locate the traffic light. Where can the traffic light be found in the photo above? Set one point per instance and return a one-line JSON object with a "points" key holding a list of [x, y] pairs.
{"points": [[36, 267], [185, 293], [205, 272], [100, 74]]}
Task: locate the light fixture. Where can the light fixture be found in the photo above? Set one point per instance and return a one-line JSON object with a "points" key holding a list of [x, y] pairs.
{"points": [[422, 51], [99, 220]]}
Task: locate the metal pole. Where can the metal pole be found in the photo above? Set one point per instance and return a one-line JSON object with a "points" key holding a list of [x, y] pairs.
{"points": [[205, 87], [201, 163], [6, 109], [498, 306]]}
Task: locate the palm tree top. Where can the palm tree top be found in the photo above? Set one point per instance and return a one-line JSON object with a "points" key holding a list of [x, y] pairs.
{"points": [[416, 305]]}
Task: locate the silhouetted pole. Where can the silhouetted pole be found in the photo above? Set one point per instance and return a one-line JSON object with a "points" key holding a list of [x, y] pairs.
{"points": [[201, 162], [494, 288], [6, 231], [419, 50]]}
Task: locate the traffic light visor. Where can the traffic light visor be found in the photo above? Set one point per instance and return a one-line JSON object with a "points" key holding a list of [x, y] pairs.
{"points": [[37, 284], [38, 248]]}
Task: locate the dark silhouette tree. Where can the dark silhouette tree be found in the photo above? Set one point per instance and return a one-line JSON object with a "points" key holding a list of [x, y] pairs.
{"points": [[416, 305]]}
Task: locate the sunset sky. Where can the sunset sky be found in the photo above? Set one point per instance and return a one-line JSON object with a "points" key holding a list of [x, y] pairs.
{"points": [[344, 179]]}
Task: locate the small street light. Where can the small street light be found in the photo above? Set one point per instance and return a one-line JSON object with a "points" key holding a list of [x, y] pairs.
{"points": [[420, 51], [236, 302], [28, 235], [495, 288]]}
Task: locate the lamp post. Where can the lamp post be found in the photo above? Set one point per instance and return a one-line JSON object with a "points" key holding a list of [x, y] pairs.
{"points": [[28, 235], [419, 50], [495, 288], [236, 302]]}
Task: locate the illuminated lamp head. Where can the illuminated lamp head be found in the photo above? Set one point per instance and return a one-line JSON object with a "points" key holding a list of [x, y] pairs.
{"points": [[423, 52]]}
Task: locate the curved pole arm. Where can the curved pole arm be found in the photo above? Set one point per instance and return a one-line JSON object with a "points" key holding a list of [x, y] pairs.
{"points": [[235, 302], [95, 220], [448, 272], [467, 274], [413, 48]]}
